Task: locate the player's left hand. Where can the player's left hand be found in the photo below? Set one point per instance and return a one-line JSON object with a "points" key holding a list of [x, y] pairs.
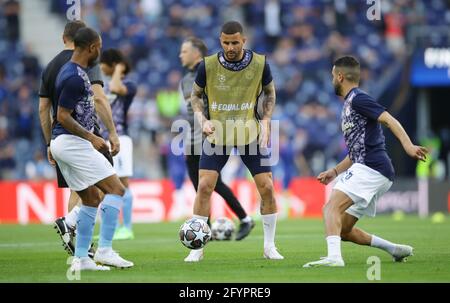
{"points": [[265, 134], [327, 176], [115, 144], [417, 152]]}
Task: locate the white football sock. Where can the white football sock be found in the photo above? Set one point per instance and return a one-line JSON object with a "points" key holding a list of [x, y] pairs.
{"points": [[201, 218], [247, 219], [205, 219], [72, 216], [382, 244], [269, 226], [334, 247]]}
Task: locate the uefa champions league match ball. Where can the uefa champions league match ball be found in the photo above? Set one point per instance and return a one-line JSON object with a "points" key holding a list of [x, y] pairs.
{"points": [[222, 229], [194, 233]]}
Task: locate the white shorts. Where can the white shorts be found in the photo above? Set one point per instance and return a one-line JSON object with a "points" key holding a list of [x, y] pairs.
{"points": [[123, 161], [80, 163], [364, 186]]}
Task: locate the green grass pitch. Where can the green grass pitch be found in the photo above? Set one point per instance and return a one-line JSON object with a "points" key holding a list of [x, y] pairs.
{"points": [[34, 254]]}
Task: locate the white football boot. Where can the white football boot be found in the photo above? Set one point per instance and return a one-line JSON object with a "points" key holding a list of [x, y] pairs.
{"points": [[271, 253], [195, 255], [402, 252], [107, 256], [328, 262], [86, 263]]}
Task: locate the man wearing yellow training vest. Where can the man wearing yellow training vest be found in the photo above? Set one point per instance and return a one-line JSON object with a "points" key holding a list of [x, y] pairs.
{"points": [[231, 82]]}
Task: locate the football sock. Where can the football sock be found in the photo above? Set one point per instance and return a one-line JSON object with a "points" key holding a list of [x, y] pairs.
{"points": [[205, 219], [72, 216], [127, 208], [85, 228], [201, 218], [247, 219], [110, 208], [269, 226], [334, 247], [382, 244]]}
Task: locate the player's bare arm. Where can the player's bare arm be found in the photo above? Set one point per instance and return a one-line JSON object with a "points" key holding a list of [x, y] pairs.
{"points": [[116, 84], [268, 103], [269, 100], [103, 109], [198, 106], [414, 151], [46, 123], [64, 117], [329, 175]]}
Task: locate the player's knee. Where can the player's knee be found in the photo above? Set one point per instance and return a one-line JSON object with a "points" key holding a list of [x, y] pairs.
{"points": [[120, 191], [95, 198], [326, 209], [205, 187], [267, 191], [329, 208], [345, 233], [344, 236], [116, 189]]}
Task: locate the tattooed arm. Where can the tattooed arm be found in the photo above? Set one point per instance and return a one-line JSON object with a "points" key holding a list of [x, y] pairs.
{"points": [[269, 100], [268, 106], [198, 107], [64, 117]]}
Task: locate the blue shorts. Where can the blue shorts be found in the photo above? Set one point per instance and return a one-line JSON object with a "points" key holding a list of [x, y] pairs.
{"points": [[254, 158]]}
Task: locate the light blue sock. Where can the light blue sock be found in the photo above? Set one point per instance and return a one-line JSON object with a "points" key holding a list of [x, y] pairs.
{"points": [[127, 208], [85, 229], [110, 208]]}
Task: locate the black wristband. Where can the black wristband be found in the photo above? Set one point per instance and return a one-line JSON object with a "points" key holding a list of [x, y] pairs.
{"points": [[335, 170], [48, 144]]}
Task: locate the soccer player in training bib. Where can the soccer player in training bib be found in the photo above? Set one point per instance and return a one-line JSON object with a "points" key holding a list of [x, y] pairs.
{"points": [[231, 81], [192, 52], [120, 92], [367, 170], [77, 149]]}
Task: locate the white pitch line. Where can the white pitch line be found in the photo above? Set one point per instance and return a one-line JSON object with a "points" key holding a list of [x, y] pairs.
{"points": [[140, 241]]}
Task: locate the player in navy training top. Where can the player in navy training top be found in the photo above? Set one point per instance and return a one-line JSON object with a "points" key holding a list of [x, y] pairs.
{"points": [[75, 148], [368, 169], [120, 91], [48, 105]]}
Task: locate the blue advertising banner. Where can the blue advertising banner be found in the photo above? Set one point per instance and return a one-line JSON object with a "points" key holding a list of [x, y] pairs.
{"points": [[431, 67]]}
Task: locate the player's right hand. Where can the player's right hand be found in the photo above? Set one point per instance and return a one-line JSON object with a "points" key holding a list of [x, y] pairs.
{"points": [[50, 157], [417, 152], [99, 144], [115, 144], [208, 128], [326, 176]]}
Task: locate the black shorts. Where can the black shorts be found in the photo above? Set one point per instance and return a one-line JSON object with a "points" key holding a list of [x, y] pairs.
{"points": [[256, 159], [62, 182]]}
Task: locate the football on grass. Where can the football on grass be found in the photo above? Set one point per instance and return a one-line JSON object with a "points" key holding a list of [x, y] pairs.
{"points": [[222, 229], [194, 233]]}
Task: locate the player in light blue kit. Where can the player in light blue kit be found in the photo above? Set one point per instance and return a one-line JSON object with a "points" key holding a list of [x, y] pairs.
{"points": [[368, 169], [120, 92], [77, 149]]}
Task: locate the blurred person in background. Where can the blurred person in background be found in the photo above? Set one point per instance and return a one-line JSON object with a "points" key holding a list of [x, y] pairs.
{"points": [[120, 92]]}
